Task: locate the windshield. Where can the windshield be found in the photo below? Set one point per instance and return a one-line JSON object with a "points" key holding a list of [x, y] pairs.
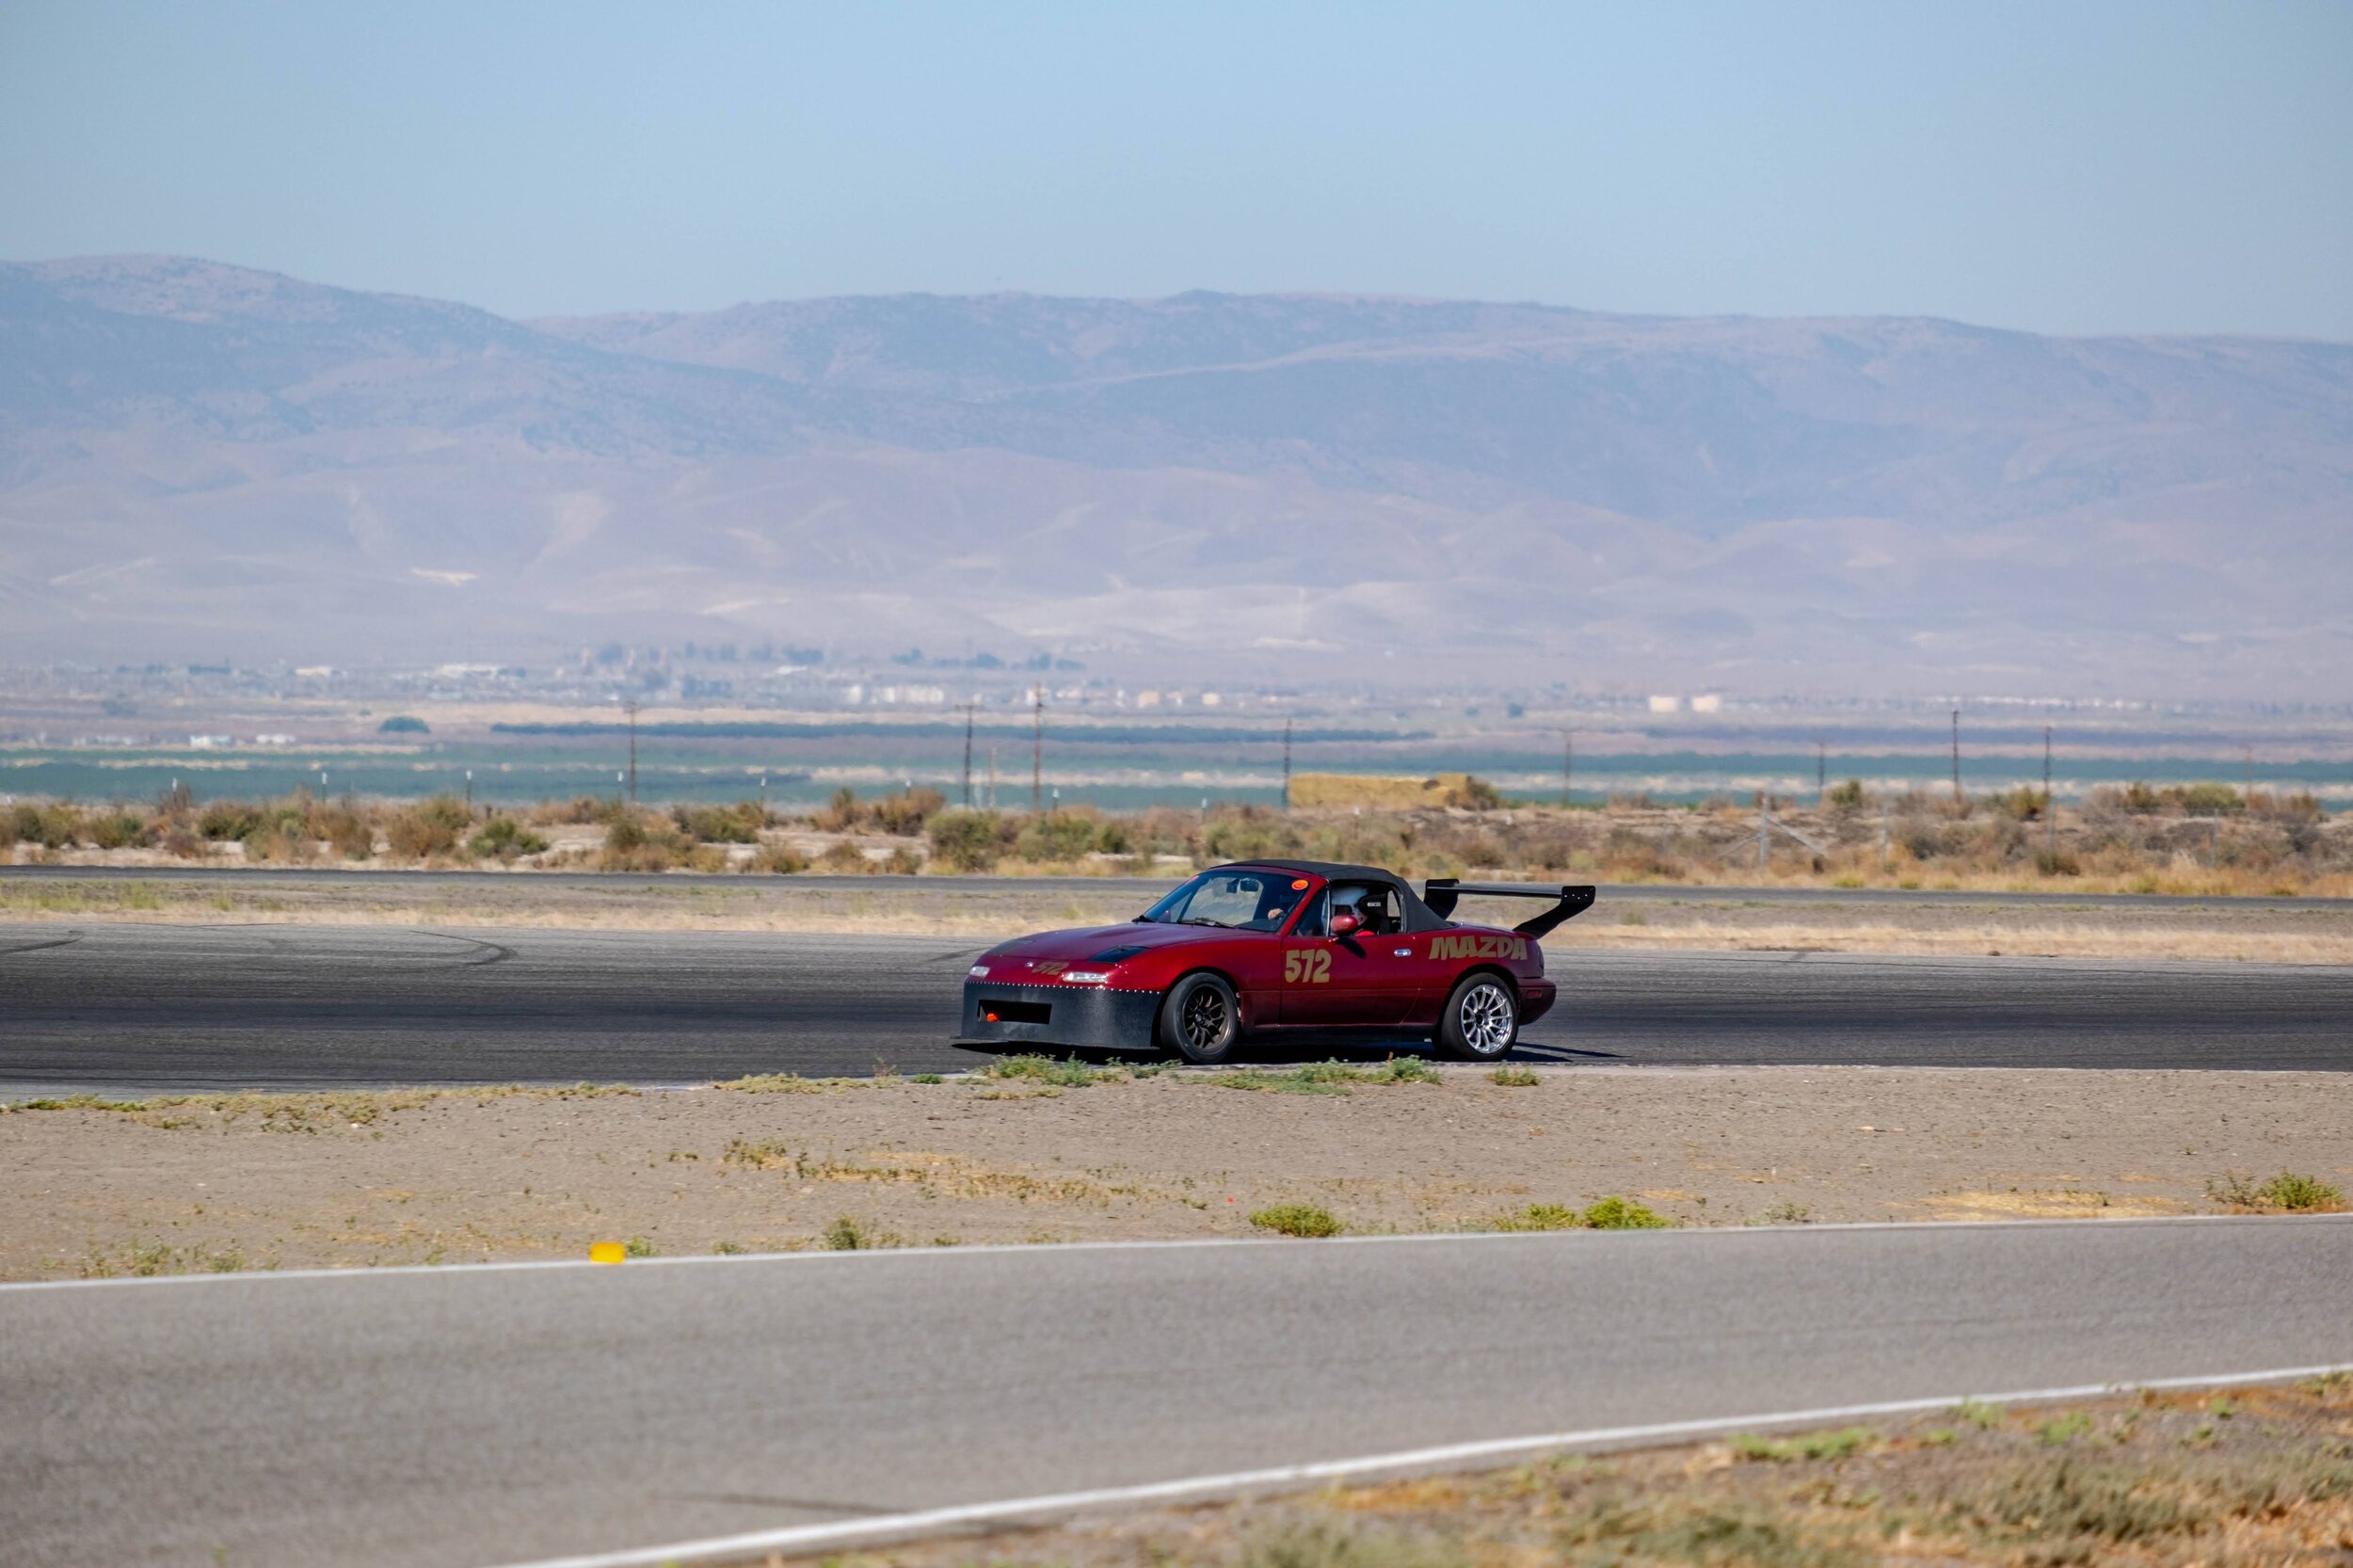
{"points": [[1241, 900]]}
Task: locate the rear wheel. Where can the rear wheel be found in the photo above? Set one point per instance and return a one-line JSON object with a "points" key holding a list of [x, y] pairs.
{"points": [[1199, 1020], [1481, 1020]]}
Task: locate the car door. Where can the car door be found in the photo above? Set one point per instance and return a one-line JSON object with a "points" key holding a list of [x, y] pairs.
{"points": [[1337, 982]]}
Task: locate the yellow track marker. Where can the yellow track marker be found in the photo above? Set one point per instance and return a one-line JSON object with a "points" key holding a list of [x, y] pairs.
{"points": [[606, 1252]]}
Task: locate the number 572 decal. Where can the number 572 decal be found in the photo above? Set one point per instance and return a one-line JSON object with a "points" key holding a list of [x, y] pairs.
{"points": [[1306, 966]]}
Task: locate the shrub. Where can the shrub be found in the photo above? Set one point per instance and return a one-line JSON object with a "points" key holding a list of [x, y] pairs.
{"points": [[844, 857], [780, 860], [846, 1235], [1615, 1213], [505, 839], [57, 827], [1515, 1077], [2298, 1193], [404, 724], [227, 819], [2209, 800], [121, 830], [840, 815], [2058, 862], [1071, 1074], [1475, 794], [580, 808], [2022, 804], [1057, 836], [347, 830], [430, 828], [275, 842], [632, 842], [1543, 1216], [965, 840], [1296, 1219], [1845, 797], [905, 814], [739, 824]]}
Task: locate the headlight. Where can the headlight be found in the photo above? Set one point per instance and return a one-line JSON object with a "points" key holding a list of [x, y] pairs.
{"points": [[978, 972], [1087, 977]]}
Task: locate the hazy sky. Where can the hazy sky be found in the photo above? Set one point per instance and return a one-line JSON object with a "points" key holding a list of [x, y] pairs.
{"points": [[2070, 166]]}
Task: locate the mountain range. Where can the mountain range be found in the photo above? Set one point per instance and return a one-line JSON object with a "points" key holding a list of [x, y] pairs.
{"points": [[198, 459]]}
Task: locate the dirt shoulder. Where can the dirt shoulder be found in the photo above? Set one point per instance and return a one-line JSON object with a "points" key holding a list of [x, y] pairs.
{"points": [[284, 1181], [1696, 918], [2241, 1477]]}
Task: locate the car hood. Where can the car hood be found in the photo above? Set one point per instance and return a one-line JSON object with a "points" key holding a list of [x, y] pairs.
{"points": [[1081, 943]]}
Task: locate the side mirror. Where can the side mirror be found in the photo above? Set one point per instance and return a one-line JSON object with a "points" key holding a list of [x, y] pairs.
{"points": [[1346, 924]]}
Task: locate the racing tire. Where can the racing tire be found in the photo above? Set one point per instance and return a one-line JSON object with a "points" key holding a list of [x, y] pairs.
{"points": [[1481, 1020], [1200, 1020]]}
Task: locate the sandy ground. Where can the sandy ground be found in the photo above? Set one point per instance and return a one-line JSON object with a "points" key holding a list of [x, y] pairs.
{"points": [[943, 906], [2232, 1478], [269, 1181]]}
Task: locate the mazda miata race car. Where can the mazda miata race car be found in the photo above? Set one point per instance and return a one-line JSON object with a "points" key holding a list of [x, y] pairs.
{"points": [[1275, 947]]}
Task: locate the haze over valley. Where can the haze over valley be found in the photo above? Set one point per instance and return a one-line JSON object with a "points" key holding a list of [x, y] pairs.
{"points": [[200, 460]]}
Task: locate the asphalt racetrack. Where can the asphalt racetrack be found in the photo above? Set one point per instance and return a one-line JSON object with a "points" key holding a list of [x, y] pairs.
{"points": [[492, 1415], [122, 1009]]}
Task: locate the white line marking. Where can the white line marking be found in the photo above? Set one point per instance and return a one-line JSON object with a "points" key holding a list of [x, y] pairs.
{"points": [[796, 1539], [1057, 1249]]}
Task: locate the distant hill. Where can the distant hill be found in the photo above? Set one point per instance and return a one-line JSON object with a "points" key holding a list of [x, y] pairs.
{"points": [[197, 458]]}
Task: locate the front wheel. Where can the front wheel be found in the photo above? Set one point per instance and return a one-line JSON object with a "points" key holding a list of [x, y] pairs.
{"points": [[1481, 1020], [1199, 1020]]}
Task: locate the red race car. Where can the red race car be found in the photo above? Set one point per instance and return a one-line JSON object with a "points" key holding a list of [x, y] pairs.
{"points": [[1274, 947]]}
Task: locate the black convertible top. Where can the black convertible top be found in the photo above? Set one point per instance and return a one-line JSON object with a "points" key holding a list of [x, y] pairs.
{"points": [[1444, 893], [1416, 915]]}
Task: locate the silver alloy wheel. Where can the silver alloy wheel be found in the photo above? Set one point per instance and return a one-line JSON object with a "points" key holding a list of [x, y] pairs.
{"points": [[1485, 1019], [1204, 1018]]}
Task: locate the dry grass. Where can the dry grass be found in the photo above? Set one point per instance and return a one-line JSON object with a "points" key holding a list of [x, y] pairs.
{"points": [[2254, 1478], [2205, 840], [416, 1176], [945, 907]]}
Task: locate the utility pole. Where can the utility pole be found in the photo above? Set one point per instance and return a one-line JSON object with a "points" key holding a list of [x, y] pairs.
{"points": [[1955, 757], [992, 777], [1038, 749], [631, 709], [1764, 829], [1821, 767], [1286, 764], [968, 756], [1568, 761], [2050, 811]]}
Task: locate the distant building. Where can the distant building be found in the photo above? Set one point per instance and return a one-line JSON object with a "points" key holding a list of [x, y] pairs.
{"points": [[210, 742], [1148, 700], [1666, 705], [1707, 702]]}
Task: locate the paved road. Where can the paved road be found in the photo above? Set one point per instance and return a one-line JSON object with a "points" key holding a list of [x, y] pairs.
{"points": [[1141, 890], [472, 1417], [150, 1009]]}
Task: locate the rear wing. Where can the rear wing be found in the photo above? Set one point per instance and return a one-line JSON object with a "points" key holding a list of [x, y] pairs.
{"points": [[1442, 892]]}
